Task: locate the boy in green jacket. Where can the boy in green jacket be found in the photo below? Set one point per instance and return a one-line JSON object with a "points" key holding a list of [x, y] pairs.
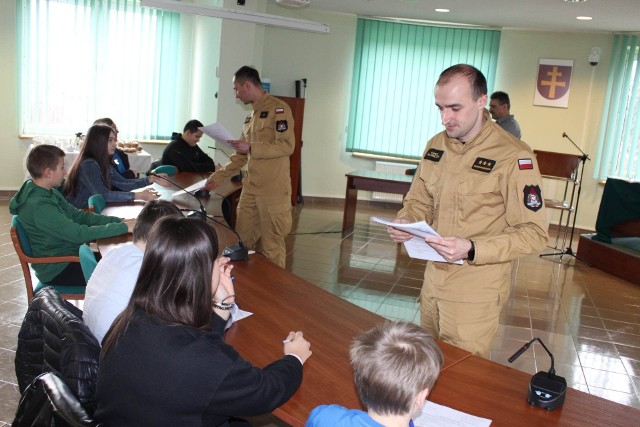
{"points": [[54, 226]]}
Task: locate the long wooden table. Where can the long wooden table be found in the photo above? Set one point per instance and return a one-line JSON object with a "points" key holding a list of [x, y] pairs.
{"points": [[282, 302], [370, 181]]}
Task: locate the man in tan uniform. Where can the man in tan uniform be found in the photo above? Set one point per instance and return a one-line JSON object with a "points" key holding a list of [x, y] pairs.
{"points": [[479, 187], [267, 141]]}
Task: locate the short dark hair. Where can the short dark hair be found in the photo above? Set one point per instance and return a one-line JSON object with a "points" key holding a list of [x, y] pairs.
{"points": [[392, 363], [475, 77], [42, 157], [249, 74], [175, 279], [502, 98], [149, 215], [192, 126]]}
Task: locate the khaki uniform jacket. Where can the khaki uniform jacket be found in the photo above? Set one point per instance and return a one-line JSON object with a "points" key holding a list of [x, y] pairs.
{"points": [[269, 130], [487, 190]]}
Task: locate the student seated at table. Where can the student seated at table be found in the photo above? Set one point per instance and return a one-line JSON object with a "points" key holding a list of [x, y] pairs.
{"points": [[55, 227], [164, 361], [184, 153], [119, 160], [92, 174], [111, 284], [395, 366]]}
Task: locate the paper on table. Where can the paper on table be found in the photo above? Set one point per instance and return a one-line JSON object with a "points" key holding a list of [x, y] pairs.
{"points": [[219, 133], [443, 416], [236, 314], [198, 185], [417, 247]]}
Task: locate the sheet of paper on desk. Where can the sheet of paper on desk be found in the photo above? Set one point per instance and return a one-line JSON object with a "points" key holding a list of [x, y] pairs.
{"points": [[198, 185], [417, 248], [219, 133], [236, 314], [443, 416]]}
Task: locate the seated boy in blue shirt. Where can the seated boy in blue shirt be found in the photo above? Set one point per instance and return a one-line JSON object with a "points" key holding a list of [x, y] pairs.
{"points": [[395, 366], [55, 227]]}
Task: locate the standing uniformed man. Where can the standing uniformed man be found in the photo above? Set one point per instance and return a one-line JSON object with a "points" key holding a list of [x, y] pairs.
{"points": [[264, 210], [479, 187]]}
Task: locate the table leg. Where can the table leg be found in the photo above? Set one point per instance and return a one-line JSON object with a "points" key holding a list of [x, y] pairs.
{"points": [[350, 201]]}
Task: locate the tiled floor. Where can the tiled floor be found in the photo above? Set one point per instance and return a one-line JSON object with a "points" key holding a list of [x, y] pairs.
{"points": [[588, 319]]}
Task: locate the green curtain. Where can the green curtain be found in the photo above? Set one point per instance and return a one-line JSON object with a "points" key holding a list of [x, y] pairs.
{"points": [[619, 143], [85, 59], [396, 67]]}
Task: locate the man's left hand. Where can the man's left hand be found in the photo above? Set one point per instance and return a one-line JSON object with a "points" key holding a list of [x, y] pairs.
{"points": [[241, 147], [451, 248]]}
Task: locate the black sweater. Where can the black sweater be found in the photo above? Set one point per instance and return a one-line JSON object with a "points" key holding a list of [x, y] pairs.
{"points": [[186, 158]]}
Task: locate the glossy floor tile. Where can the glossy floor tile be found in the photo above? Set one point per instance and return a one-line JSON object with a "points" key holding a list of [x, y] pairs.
{"points": [[588, 319]]}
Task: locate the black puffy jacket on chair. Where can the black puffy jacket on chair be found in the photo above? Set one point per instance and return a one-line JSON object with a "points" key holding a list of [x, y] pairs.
{"points": [[53, 339]]}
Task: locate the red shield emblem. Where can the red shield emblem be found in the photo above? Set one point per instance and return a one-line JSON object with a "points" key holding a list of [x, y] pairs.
{"points": [[553, 80]]}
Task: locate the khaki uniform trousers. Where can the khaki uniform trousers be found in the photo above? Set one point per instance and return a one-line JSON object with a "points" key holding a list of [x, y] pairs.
{"points": [[263, 223]]}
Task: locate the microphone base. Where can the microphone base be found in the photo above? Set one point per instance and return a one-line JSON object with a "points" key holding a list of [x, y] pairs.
{"points": [[198, 214], [547, 391], [236, 252]]}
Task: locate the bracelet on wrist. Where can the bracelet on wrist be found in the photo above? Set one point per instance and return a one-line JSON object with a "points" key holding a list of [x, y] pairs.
{"points": [[223, 306]]}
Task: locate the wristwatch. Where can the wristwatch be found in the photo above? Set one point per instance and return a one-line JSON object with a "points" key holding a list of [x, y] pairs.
{"points": [[472, 252]]}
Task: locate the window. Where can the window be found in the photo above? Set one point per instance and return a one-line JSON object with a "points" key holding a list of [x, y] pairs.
{"points": [[619, 149], [85, 59], [396, 67]]}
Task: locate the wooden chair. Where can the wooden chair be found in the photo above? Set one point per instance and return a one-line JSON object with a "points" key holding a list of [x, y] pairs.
{"points": [[88, 261], [96, 203], [564, 168], [22, 246]]}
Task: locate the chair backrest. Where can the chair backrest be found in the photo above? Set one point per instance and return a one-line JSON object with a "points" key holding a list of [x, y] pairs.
{"points": [[168, 169], [23, 238], [53, 339], [97, 202], [87, 261], [557, 164], [48, 401]]}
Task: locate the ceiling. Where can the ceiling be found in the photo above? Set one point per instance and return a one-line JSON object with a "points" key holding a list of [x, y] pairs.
{"points": [[548, 15]]}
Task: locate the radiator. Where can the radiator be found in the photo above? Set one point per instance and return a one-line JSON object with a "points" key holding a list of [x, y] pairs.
{"points": [[389, 167]]}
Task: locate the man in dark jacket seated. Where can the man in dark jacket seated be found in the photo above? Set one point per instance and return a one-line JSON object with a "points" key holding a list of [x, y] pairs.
{"points": [[183, 151]]}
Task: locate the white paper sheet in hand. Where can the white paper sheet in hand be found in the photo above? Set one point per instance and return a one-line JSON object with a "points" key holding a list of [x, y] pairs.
{"points": [[442, 416], [416, 247], [219, 133]]}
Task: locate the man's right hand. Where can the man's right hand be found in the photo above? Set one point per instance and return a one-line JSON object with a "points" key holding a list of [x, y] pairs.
{"points": [[210, 185], [397, 235]]}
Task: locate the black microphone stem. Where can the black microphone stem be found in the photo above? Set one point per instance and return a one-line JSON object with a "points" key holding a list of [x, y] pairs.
{"points": [[584, 155], [203, 212]]}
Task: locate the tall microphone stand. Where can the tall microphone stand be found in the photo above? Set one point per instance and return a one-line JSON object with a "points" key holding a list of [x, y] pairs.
{"points": [[583, 160]]}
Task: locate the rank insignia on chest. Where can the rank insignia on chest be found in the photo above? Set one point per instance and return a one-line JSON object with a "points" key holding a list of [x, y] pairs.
{"points": [[247, 120], [434, 155], [279, 110], [483, 165], [282, 126], [264, 114], [532, 197]]}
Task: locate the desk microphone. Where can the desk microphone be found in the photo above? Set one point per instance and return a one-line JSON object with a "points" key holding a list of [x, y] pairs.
{"points": [[235, 178], [235, 252], [202, 214], [546, 389]]}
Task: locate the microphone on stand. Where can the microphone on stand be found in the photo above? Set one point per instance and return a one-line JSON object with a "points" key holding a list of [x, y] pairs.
{"points": [[585, 156], [202, 214], [235, 252], [546, 389]]}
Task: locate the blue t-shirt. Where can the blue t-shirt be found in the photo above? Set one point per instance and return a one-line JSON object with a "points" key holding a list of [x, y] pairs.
{"points": [[339, 416]]}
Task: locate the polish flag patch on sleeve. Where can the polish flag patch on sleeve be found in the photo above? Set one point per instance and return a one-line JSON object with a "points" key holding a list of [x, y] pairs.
{"points": [[525, 164]]}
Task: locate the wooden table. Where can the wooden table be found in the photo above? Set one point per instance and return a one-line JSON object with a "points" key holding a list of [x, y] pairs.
{"points": [[487, 389], [282, 302], [371, 181]]}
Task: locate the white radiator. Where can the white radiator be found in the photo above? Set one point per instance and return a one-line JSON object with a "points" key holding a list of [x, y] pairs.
{"points": [[389, 167]]}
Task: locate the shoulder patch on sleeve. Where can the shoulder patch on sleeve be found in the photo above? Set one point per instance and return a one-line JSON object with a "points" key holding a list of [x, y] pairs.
{"points": [[532, 197], [525, 164], [483, 165], [434, 155], [282, 126]]}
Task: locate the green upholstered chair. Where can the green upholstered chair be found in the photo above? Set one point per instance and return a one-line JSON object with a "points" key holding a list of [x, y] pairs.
{"points": [[22, 246], [168, 169], [96, 203], [87, 261]]}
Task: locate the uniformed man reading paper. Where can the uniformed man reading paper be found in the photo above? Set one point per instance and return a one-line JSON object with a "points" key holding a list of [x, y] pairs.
{"points": [[479, 187], [264, 210]]}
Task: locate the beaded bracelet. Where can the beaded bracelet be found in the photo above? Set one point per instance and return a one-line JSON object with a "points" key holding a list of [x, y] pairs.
{"points": [[220, 306]]}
